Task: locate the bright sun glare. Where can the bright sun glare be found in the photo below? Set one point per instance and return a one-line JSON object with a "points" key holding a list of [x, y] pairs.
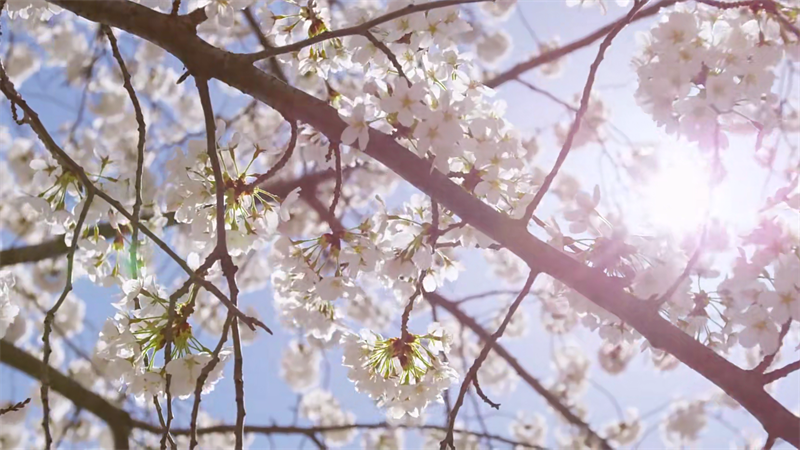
{"points": [[678, 196]]}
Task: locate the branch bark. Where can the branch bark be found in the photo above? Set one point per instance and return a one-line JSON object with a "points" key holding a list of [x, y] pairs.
{"points": [[117, 419], [436, 299], [202, 59], [57, 246], [548, 57], [472, 374]]}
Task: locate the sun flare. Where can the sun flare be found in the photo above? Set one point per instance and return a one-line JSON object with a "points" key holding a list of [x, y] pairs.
{"points": [[679, 195]]}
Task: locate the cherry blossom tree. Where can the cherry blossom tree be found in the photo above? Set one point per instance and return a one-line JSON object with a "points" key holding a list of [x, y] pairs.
{"points": [[352, 160]]}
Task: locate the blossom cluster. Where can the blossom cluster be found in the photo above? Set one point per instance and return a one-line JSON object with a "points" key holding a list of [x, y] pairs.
{"points": [[701, 72], [402, 374]]}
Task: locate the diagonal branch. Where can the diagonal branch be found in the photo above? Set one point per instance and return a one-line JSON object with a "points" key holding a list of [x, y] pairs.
{"points": [[555, 54], [287, 155], [137, 108], [472, 374], [784, 371], [15, 407], [118, 420], [389, 54], [179, 39], [436, 299], [358, 29], [228, 267], [767, 361], [584, 106], [201, 380]]}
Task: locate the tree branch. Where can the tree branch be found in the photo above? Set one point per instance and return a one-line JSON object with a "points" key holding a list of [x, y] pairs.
{"points": [[274, 65], [358, 29], [117, 420], [562, 51], [584, 105], [452, 307], [472, 374], [205, 60], [767, 361], [228, 267], [50, 317], [137, 108], [15, 407], [784, 371]]}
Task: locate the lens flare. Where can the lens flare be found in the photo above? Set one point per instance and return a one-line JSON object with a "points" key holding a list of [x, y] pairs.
{"points": [[679, 195]]}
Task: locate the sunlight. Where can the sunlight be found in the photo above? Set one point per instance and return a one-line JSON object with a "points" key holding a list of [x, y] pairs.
{"points": [[679, 195]]}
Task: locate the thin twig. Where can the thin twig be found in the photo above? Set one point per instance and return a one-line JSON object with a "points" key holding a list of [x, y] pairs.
{"points": [[584, 106], [547, 94], [471, 375], [201, 380], [409, 307], [435, 298], [287, 155], [51, 317], [19, 405], [784, 371], [137, 108], [557, 53], [666, 296], [337, 189], [228, 267], [767, 361], [483, 395], [274, 65], [389, 54], [358, 29], [283, 429]]}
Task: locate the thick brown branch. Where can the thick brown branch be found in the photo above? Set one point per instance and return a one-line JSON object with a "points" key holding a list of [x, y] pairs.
{"points": [[235, 70], [118, 420]]}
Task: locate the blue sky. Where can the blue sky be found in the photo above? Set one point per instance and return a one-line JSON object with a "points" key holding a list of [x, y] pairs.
{"points": [[268, 398]]}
